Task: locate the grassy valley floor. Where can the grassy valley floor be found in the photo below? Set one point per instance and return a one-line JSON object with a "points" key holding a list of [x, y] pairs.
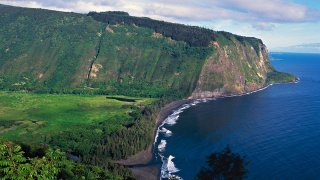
{"points": [[31, 118]]}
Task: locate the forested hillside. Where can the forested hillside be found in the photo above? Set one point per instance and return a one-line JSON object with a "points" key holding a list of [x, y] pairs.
{"points": [[43, 48], [138, 64], [105, 53], [193, 35], [64, 52]]}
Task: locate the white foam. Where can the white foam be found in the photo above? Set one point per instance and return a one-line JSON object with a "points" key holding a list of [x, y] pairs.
{"points": [[261, 89], [168, 168], [170, 165], [195, 103], [166, 132], [162, 145], [172, 119]]}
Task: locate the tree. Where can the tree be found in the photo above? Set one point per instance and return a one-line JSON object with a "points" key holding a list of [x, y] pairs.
{"points": [[12, 162], [224, 165], [14, 165], [48, 166]]}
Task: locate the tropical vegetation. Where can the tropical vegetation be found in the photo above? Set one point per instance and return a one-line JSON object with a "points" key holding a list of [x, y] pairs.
{"points": [[78, 92]]}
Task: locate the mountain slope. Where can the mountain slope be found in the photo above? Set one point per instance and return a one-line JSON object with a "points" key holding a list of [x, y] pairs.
{"points": [[45, 48], [236, 67], [114, 53]]}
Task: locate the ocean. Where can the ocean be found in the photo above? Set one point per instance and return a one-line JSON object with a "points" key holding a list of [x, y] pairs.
{"points": [[277, 129]]}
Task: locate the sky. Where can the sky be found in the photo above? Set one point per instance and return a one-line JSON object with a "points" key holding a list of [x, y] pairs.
{"points": [[281, 24]]}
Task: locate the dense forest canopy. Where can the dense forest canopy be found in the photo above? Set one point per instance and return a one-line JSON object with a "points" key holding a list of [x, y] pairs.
{"points": [[45, 52], [193, 35]]}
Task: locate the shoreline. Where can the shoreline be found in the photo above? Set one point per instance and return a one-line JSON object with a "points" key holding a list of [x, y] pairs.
{"points": [[144, 157]]}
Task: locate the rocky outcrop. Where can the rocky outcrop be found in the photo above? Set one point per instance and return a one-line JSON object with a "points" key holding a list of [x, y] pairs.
{"points": [[114, 53], [236, 67]]}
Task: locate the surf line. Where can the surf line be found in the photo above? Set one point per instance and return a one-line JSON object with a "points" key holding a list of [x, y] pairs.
{"points": [[168, 167]]}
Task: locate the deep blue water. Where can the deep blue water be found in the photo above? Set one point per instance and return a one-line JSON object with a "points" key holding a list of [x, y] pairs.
{"points": [[278, 129]]}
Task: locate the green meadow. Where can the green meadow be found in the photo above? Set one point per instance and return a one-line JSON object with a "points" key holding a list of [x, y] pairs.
{"points": [[31, 117]]}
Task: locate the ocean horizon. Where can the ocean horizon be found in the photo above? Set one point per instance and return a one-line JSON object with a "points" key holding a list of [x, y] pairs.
{"points": [[276, 129]]}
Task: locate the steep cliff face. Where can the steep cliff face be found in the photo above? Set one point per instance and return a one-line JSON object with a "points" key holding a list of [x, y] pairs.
{"points": [[114, 53], [131, 54], [41, 48], [238, 65]]}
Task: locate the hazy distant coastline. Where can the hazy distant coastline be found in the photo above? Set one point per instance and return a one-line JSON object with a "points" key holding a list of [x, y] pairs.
{"points": [[301, 48]]}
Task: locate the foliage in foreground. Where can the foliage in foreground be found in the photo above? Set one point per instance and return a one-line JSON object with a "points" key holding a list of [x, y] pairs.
{"points": [[15, 164], [92, 130], [57, 57], [224, 165], [128, 130]]}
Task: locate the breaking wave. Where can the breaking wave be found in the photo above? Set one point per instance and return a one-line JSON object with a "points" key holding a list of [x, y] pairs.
{"points": [[166, 132], [162, 145], [168, 167]]}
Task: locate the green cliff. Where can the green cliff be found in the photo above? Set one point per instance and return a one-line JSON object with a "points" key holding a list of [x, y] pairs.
{"points": [[108, 53], [140, 63], [238, 65]]}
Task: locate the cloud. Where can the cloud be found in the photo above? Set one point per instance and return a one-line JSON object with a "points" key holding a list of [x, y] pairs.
{"points": [[261, 14], [271, 10], [263, 26]]}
